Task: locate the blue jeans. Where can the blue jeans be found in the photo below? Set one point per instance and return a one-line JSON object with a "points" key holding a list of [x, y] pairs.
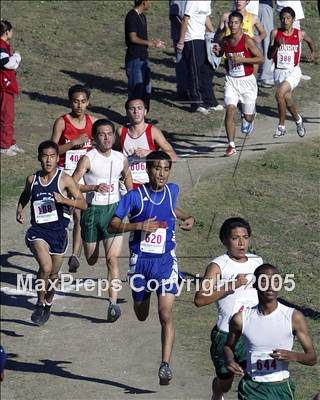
{"points": [[139, 82]]}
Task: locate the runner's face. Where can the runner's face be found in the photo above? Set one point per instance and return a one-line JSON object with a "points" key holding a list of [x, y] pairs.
{"points": [[235, 25], [268, 282], [159, 174], [104, 138], [237, 243], [136, 111], [49, 160], [79, 103], [286, 21], [241, 4]]}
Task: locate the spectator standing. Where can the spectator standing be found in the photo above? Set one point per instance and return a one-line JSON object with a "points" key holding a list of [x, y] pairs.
{"points": [[9, 62], [137, 62], [176, 13], [192, 45]]}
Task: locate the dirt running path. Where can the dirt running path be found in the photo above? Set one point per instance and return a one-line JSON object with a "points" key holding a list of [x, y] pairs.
{"points": [[77, 355]]}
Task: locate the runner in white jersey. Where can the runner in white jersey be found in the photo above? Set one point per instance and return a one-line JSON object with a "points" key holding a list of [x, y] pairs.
{"points": [[101, 169], [269, 330], [227, 281], [137, 139]]}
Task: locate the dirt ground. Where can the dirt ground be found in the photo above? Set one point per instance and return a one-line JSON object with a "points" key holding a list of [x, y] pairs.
{"points": [[77, 355]]}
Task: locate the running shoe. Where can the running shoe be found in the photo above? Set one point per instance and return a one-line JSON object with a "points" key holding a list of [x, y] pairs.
{"points": [[46, 314], [218, 107], [17, 149], [231, 151], [165, 374], [73, 263], [280, 131], [114, 312], [203, 110], [37, 314], [8, 152], [246, 127], [301, 130]]}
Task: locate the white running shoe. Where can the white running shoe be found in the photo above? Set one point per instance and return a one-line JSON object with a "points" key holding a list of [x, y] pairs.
{"points": [[301, 130], [8, 152], [280, 131]]}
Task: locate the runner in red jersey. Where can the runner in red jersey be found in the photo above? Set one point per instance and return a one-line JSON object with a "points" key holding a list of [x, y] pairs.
{"points": [[72, 132], [285, 50], [138, 139], [240, 83]]}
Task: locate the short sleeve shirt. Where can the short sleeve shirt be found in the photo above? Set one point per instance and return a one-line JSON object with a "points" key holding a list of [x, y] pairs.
{"points": [[198, 12], [136, 23]]}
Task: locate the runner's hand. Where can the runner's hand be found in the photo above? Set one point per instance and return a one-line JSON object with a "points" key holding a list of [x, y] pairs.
{"points": [[58, 198], [283, 355], [241, 279], [79, 141], [216, 48], [150, 225], [311, 57], [235, 368], [187, 224], [103, 188], [141, 153], [20, 217]]}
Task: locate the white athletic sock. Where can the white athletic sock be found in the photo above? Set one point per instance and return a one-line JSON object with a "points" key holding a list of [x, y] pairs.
{"points": [[282, 126], [231, 144], [299, 120], [48, 304], [113, 301]]}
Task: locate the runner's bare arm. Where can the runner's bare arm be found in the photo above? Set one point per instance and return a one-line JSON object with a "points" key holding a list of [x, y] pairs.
{"points": [[273, 48], [300, 330], [213, 289], [187, 219], [262, 33], [162, 142], [68, 184], [117, 226], [235, 329], [305, 37], [24, 199], [58, 128], [126, 175]]}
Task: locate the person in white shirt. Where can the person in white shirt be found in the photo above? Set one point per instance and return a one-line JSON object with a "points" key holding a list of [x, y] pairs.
{"points": [[227, 281], [192, 44], [101, 169], [269, 330]]}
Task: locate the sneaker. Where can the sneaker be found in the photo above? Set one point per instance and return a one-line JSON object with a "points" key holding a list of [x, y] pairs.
{"points": [[265, 84], [246, 127], [165, 374], [73, 263], [219, 107], [281, 131], [37, 314], [8, 152], [114, 312], [301, 130], [231, 151], [16, 148], [305, 77], [203, 110], [46, 314]]}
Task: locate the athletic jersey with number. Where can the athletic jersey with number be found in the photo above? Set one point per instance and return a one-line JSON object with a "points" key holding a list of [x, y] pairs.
{"points": [[242, 69], [143, 203], [106, 170], [128, 144], [288, 54], [247, 25], [243, 297], [45, 212], [263, 334], [70, 159]]}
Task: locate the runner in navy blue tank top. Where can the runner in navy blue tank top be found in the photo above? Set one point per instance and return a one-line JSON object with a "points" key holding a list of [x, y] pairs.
{"points": [[47, 237], [153, 266]]}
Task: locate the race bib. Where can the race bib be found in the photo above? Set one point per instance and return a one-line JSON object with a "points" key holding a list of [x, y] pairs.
{"points": [[285, 59], [45, 211], [242, 305], [112, 189], [264, 368], [235, 70], [72, 158], [154, 242], [138, 172]]}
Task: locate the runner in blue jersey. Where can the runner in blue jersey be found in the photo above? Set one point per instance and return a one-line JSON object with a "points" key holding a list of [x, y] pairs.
{"points": [[152, 213], [47, 238]]}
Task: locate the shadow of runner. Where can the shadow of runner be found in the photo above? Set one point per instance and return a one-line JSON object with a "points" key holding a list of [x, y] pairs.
{"points": [[51, 367]]}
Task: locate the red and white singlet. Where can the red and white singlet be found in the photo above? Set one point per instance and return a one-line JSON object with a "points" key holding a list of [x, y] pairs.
{"points": [[238, 70], [288, 54]]}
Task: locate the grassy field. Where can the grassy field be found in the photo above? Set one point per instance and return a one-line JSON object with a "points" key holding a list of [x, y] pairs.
{"points": [[68, 42]]}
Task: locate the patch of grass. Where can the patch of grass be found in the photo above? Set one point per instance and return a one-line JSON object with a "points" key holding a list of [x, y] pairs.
{"points": [[282, 205]]}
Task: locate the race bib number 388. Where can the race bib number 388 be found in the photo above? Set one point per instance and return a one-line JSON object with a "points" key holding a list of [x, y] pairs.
{"points": [[45, 211]]}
